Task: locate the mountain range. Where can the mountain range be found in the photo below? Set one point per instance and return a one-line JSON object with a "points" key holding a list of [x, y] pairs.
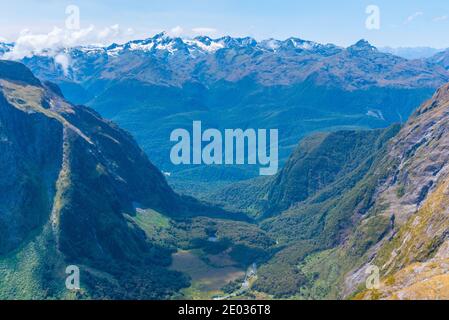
{"points": [[412, 52], [364, 191], [296, 86]]}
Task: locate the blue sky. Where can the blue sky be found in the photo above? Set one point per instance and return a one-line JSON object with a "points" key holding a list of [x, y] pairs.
{"points": [[403, 22]]}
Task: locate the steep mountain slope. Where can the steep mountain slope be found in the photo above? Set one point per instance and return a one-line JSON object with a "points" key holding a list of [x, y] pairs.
{"points": [[70, 186], [380, 201], [320, 160], [440, 59], [399, 222], [413, 262], [295, 86], [313, 206]]}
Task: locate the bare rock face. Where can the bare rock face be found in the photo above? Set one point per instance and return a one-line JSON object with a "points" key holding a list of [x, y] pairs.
{"points": [[421, 152], [413, 257]]}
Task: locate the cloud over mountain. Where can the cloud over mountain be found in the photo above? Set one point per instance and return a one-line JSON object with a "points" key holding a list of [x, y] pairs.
{"points": [[49, 44]]}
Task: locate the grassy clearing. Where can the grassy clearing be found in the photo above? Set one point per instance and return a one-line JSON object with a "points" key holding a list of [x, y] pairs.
{"points": [[155, 225], [150, 219], [207, 280]]}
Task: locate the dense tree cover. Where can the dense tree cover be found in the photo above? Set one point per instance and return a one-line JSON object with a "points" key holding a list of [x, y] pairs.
{"points": [[281, 276], [245, 242], [316, 200], [148, 282]]}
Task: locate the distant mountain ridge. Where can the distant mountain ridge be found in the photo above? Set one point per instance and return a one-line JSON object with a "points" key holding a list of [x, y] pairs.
{"points": [[311, 58], [201, 44], [296, 86], [412, 52]]}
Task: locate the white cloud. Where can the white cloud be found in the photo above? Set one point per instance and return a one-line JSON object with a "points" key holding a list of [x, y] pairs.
{"points": [[108, 32], [2, 39], [441, 18], [64, 61], [52, 43], [177, 31], [29, 44], [113, 33], [204, 31], [413, 17]]}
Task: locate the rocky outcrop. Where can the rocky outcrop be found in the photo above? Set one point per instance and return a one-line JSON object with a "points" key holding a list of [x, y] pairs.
{"points": [[413, 257]]}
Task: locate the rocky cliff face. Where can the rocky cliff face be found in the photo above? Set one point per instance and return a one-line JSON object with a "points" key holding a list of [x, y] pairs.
{"points": [[413, 260], [396, 216], [418, 158]]}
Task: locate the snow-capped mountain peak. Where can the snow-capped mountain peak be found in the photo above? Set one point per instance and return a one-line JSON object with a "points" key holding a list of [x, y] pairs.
{"points": [[162, 43]]}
